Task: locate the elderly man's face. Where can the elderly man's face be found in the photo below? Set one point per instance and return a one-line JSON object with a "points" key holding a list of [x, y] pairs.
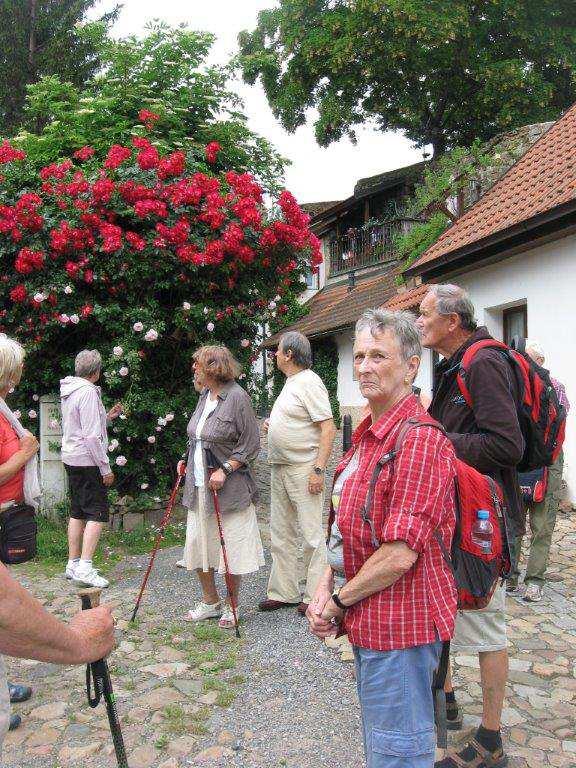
{"points": [[380, 367], [432, 326], [282, 359]]}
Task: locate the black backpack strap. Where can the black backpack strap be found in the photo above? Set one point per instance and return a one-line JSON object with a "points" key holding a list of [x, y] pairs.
{"points": [[440, 696]]}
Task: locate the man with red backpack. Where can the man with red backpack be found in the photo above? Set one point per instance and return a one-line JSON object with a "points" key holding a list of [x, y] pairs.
{"points": [[482, 422]]}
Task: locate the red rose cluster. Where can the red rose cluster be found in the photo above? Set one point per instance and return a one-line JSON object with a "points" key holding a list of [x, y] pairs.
{"points": [[97, 226]]}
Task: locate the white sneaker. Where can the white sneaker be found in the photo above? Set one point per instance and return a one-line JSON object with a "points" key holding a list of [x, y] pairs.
{"points": [[533, 593], [203, 611], [70, 571], [89, 578], [227, 618]]}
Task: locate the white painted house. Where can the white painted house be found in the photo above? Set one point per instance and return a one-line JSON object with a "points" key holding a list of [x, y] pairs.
{"points": [[515, 252]]}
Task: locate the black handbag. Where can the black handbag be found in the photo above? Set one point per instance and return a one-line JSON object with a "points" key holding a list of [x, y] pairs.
{"points": [[18, 531]]}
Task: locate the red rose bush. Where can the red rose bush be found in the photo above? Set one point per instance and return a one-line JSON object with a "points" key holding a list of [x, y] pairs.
{"points": [[143, 254]]}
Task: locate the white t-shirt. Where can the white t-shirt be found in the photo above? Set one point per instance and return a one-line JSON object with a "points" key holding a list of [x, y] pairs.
{"points": [[209, 406], [293, 432]]}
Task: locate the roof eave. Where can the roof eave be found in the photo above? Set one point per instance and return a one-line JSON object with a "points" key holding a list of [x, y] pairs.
{"points": [[498, 245]]}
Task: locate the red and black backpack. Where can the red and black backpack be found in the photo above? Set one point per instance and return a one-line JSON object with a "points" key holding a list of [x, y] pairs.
{"points": [[541, 417]]}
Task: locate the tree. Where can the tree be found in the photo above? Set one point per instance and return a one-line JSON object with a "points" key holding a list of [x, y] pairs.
{"points": [[165, 72], [443, 71], [43, 37]]}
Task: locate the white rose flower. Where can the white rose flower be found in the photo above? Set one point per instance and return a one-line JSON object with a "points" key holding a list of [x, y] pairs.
{"points": [[138, 327], [152, 461], [64, 319], [35, 398], [186, 306], [206, 310], [158, 429], [68, 289], [74, 319], [17, 414], [210, 327], [143, 486], [152, 439], [129, 439], [39, 297], [277, 298], [151, 335], [122, 416], [169, 417], [121, 461], [245, 343], [123, 371], [272, 305], [161, 422], [32, 414], [117, 351]]}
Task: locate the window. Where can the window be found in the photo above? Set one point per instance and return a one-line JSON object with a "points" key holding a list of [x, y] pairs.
{"points": [[312, 281], [515, 322]]}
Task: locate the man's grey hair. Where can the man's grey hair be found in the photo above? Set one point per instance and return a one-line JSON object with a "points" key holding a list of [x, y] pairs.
{"points": [[298, 344], [402, 324], [451, 299], [87, 363]]}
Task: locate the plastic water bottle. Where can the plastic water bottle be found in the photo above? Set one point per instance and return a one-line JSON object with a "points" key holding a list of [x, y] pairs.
{"points": [[482, 532]]}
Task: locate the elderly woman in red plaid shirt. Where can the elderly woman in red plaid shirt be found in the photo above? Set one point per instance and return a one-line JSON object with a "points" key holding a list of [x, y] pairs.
{"points": [[398, 602]]}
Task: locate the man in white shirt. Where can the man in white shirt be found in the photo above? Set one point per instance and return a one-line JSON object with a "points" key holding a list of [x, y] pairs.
{"points": [[300, 435]]}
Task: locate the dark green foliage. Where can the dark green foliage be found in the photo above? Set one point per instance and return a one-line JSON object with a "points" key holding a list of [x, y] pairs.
{"points": [[325, 364], [44, 37], [443, 71]]}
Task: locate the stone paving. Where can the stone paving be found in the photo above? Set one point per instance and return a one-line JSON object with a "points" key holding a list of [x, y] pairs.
{"points": [[176, 686]]}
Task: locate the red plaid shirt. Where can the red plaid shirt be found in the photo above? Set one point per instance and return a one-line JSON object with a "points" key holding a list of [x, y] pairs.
{"points": [[413, 497]]}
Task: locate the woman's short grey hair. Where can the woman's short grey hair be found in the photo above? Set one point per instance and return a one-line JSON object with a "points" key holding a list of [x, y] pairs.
{"points": [[87, 363], [11, 358], [533, 346], [298, 344], [402, 324], [453, 300]]}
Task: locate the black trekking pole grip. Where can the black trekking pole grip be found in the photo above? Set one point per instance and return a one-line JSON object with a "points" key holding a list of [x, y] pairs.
{"points": [[98, 676]]}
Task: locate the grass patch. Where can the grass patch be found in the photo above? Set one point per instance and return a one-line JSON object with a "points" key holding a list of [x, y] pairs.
{"points": [[114, 545], [225, 698], [175, 720], [162, 742]]}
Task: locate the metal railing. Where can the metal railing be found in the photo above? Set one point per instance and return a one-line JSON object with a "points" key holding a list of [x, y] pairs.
{"points": [[366, 246]]}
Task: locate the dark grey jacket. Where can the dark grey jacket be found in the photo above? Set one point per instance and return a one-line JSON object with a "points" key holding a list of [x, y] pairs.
{"points": [[230, 432]]}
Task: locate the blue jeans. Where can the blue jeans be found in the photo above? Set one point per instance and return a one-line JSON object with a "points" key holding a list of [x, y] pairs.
{"points": [[395, 692]]}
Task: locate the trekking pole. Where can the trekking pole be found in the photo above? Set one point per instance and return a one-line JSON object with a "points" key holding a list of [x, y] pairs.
{"points": [[226, 569], [181, 471], [346, 433], [98, 675]]}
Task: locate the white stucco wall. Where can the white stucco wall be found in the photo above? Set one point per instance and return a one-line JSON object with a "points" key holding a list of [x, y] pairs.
{"points": [[545, 280]]}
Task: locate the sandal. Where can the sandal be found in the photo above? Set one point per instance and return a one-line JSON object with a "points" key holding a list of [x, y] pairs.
{"points": [[482, 758], [227, 618]]}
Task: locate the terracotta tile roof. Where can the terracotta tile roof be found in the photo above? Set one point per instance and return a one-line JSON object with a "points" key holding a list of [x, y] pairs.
{"points": [[543, 179], [335, 308], [407, 299]]}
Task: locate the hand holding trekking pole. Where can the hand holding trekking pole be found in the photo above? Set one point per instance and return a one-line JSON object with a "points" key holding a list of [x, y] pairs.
{"points": [[99, 685]]}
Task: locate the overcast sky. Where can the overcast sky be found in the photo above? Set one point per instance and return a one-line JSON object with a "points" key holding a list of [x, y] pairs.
{"points": [[315, 174]]}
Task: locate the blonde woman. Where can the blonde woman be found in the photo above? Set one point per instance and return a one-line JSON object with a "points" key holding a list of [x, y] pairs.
{"points": [[223, 430]]}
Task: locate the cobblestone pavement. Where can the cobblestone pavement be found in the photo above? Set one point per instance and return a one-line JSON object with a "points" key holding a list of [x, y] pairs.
{"points": [[277, 698]]}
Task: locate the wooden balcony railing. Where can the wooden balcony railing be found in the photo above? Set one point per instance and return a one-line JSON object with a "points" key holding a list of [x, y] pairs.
{"points": [[366, 246]]}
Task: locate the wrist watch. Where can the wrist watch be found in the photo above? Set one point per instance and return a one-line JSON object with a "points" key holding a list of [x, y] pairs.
{"points": [[337, 600], [318, 471], [227, 468]]}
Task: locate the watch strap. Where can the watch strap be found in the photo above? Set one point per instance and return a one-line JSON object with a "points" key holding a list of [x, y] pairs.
{"points": [[338, 602]]}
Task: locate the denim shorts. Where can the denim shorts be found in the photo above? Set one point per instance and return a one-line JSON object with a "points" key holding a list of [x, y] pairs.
{"points": [[395, 692]]}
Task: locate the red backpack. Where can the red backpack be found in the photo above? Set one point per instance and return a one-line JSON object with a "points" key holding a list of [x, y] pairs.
{"points": [[541, 417], [475, 572]]}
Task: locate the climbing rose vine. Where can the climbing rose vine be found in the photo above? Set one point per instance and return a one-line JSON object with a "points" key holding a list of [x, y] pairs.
{"points": [[143, 254]]}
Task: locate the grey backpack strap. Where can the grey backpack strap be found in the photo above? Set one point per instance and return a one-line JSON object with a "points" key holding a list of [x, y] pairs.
{"points": [[409, 424]]}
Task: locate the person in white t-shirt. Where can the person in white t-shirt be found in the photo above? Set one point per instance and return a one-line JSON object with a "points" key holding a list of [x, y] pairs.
{"points": [[300, 435]]}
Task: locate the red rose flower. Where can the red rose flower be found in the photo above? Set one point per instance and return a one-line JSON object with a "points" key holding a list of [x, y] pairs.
{"points": [[212, 150], [18, 294], [85, 153]]}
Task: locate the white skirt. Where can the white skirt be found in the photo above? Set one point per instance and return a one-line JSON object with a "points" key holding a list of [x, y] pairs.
{"points": [[241, 537]]}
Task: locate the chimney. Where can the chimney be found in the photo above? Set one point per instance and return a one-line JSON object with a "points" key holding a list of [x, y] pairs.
{"points": [[351, 280]]}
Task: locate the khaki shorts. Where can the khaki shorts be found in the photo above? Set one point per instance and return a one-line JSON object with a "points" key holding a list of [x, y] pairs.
{"points": [[484, 630]]}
